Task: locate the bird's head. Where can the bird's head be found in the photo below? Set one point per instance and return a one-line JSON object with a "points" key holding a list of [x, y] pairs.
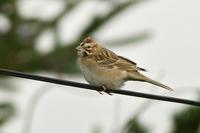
{"points": [[87, 47]]}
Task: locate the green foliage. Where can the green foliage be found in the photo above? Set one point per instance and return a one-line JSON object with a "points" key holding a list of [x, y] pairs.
{"points": [[17, 46], [134, 126], [97, 129], [187, 121], [6, 112]]}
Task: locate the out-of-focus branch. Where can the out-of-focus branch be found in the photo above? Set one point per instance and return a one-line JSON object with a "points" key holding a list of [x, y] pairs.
{"points": [[129, 39], [100, 21], [133, 124], [68, 6], [7, 110], [22, 36], [30, 112], [64, 54]]}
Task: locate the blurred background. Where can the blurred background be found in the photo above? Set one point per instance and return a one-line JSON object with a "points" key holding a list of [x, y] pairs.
{"points": [[39, 37]]}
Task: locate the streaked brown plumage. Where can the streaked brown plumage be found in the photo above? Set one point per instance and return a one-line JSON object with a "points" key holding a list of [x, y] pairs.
{"points": [[102, 67]]}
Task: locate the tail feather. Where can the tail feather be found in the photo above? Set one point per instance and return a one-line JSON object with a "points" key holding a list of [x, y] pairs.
{"points": [[142, 69], [140, 77], [159, 84]]}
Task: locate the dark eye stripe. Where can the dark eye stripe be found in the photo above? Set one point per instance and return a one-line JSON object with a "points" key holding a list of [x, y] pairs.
{"points": [[82, 44]]}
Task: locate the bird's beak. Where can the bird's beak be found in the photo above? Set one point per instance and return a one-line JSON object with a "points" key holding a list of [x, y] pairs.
{"points": [[78, 48]]}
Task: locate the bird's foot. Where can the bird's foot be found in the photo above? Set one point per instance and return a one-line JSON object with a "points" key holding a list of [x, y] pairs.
{"points": [[106, 90]]}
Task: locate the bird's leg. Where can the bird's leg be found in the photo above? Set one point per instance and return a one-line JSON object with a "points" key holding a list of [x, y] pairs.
{"points": [[100, 92], [106, 90]]}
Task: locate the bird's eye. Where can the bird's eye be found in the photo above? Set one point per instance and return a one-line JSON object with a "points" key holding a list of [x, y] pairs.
{"points": [[88, 46]]}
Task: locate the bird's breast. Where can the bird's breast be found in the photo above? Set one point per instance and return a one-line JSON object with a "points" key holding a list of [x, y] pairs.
{"points": [[112, 78]]}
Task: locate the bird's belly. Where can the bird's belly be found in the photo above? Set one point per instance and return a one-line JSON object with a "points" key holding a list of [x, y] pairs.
{"points": [[101, 76]]}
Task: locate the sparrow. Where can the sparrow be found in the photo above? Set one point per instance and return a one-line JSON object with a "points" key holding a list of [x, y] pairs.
{"points": [[103, 68]]}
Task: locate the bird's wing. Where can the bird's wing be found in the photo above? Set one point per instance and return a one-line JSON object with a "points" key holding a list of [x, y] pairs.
{"points": [[126, 64], [134, 65], [107, 58]]}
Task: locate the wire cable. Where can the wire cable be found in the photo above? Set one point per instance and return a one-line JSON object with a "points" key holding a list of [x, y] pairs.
{"points": [[90, 87]]}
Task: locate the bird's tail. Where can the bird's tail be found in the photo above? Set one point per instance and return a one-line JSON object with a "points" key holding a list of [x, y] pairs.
{"points": [[140, 77], [158, 84]]}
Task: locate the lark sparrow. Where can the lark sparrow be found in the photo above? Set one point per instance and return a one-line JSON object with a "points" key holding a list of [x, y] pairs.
{"points": [[102, 67]]}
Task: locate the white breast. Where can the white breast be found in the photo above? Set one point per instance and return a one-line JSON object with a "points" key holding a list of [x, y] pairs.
{"points": [[99, 76]]}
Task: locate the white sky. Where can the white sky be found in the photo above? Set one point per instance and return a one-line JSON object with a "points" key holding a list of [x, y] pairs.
{"points": [[173, 50]]}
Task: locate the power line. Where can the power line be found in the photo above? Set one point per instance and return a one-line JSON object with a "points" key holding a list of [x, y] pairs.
{"points": [[90, 87]]}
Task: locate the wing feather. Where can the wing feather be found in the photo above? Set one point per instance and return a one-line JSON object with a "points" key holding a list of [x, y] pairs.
{"points": [[133, 63], [109, 59]]}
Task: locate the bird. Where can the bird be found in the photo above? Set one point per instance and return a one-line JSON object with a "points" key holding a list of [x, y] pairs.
{"points": [[103, 68]]}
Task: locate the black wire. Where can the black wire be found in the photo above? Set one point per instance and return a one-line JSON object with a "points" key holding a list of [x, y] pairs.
{"points": [[90, 87]]}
